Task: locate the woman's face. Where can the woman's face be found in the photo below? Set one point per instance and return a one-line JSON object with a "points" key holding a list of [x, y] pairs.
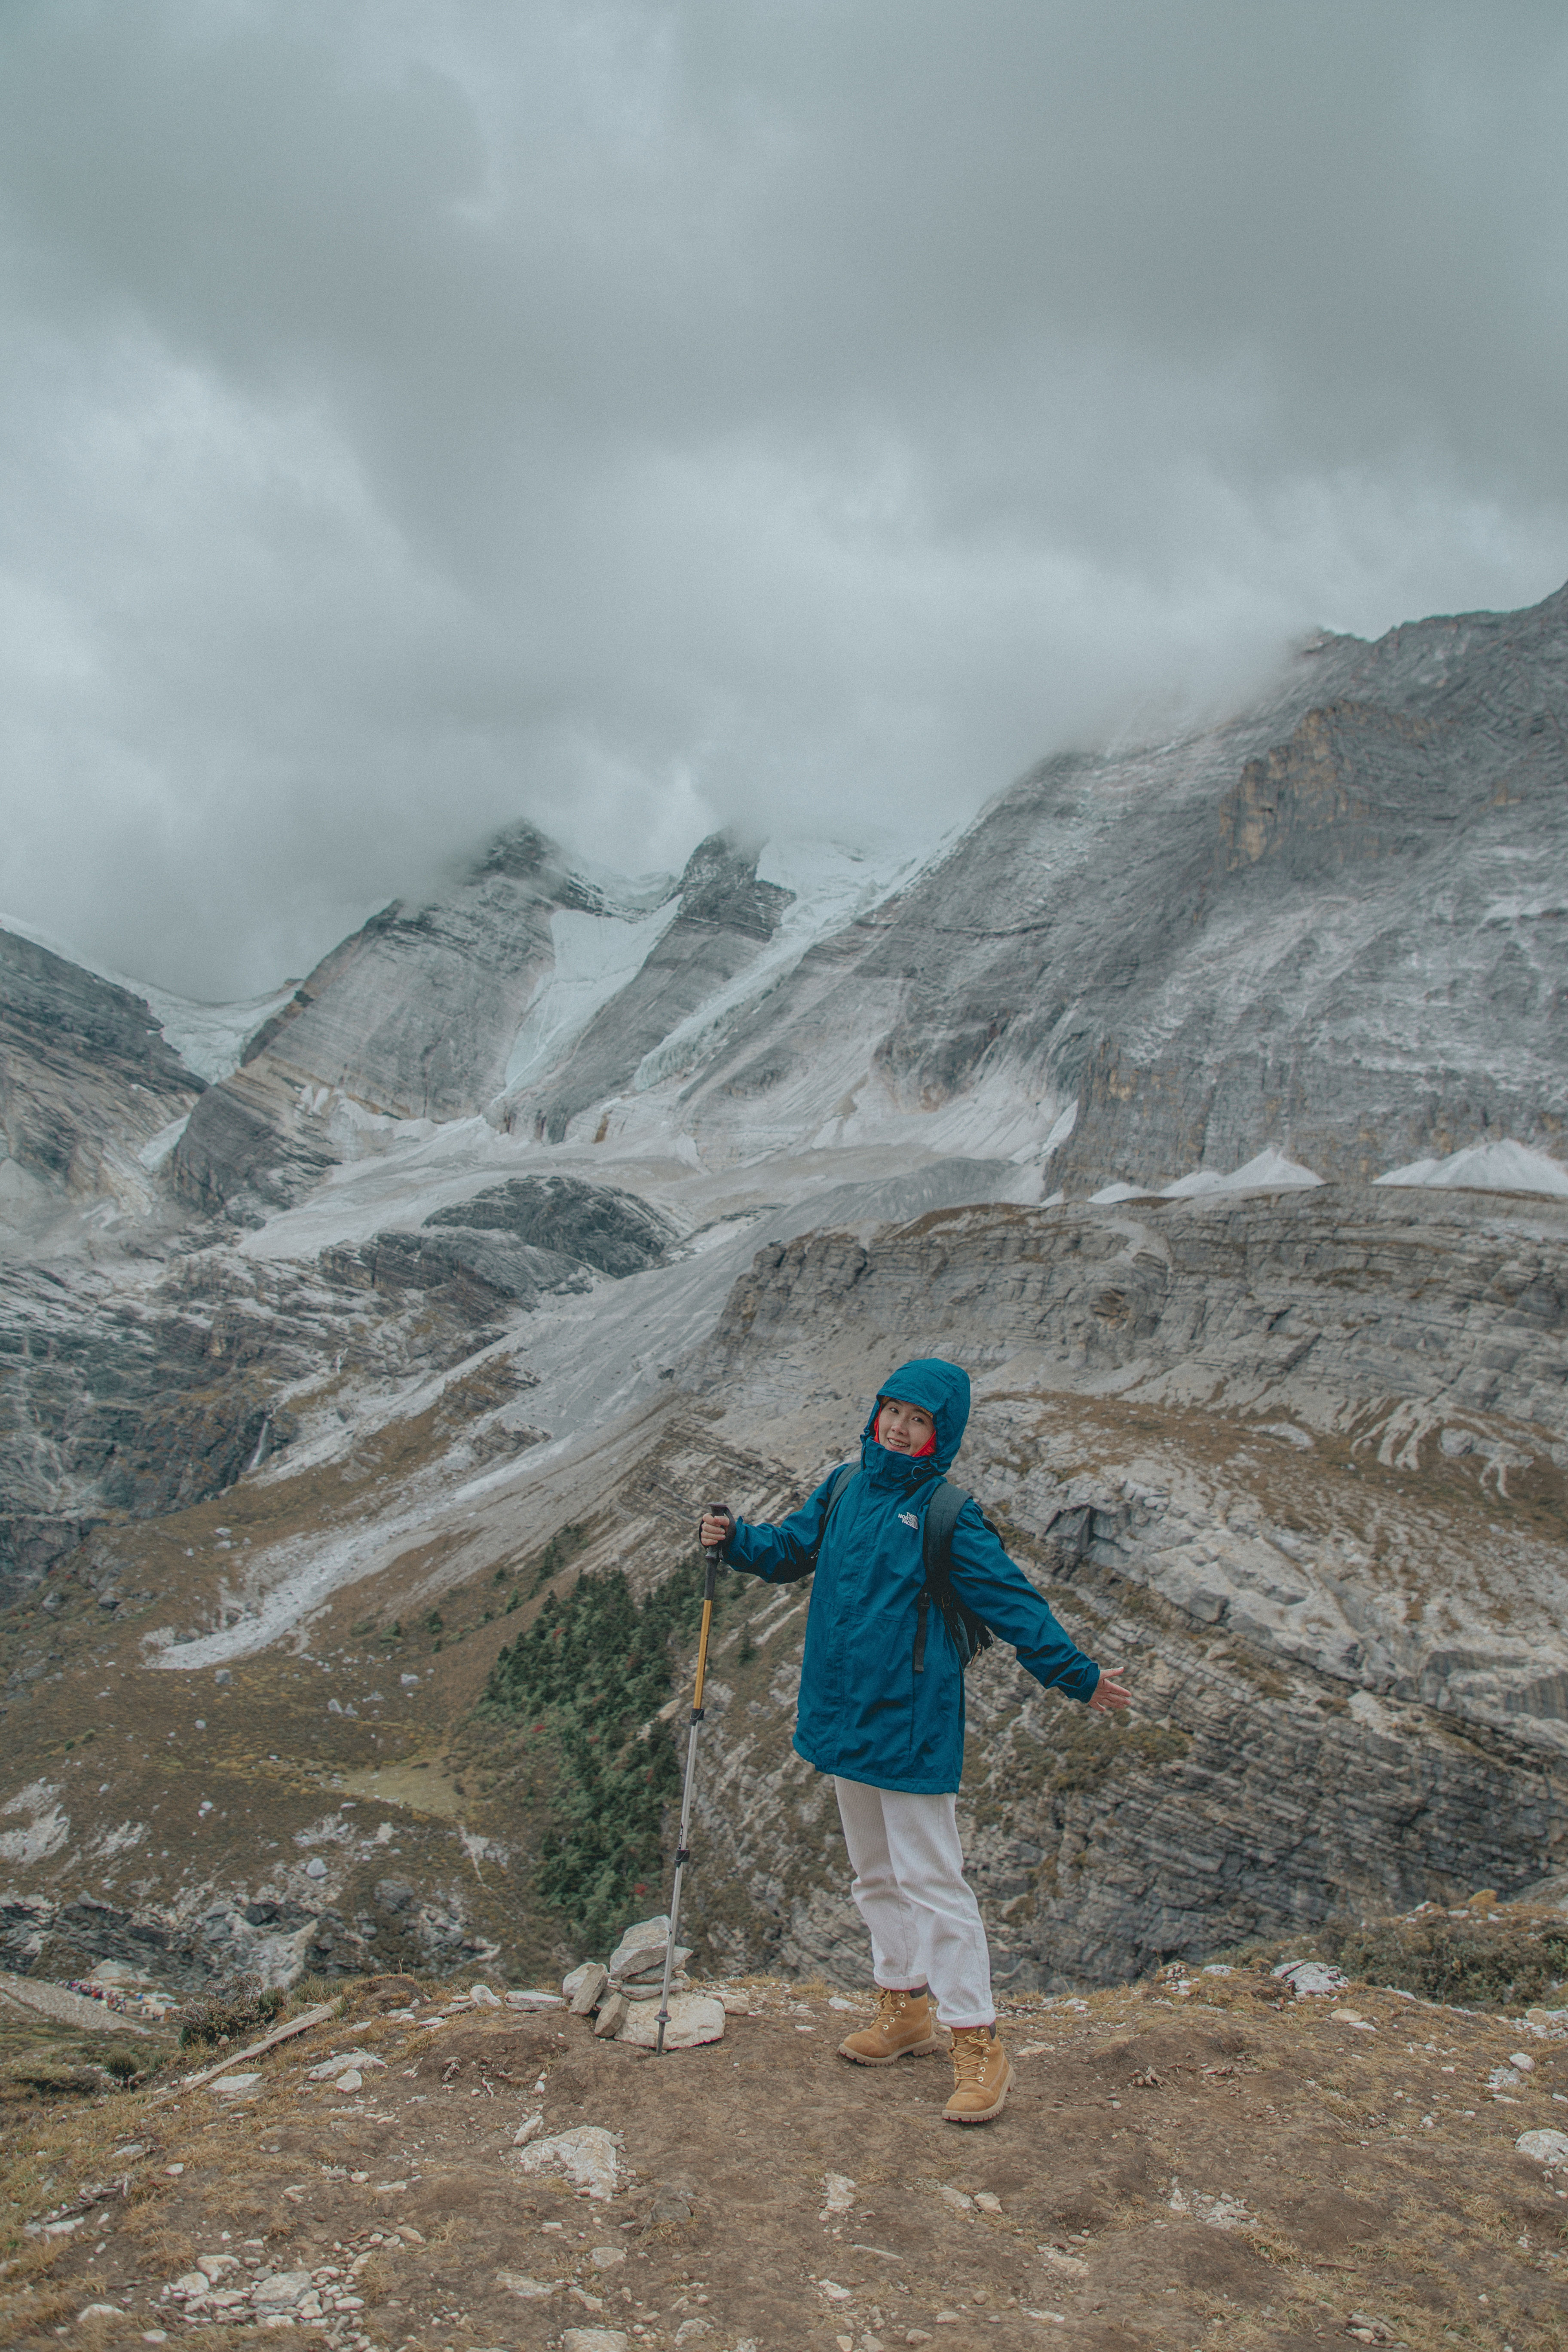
{"points": [[904, 1428]]}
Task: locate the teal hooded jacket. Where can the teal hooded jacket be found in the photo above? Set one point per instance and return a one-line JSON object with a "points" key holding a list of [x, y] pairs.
{"points": [[864, 1712]]}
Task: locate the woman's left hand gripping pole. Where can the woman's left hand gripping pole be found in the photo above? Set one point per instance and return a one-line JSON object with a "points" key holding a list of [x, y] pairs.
{"points": [[682, 1854]]}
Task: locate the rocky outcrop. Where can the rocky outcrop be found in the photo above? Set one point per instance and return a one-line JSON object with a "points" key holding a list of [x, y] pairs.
{"points": [[1327, 1305], [412, 1018], [85, 1082], [415, 1016], [598, 1224], [275, 1939], [726, 916], [133, 1392]]}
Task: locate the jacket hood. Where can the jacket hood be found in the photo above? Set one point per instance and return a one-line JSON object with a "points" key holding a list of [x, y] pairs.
{"points": [[940, 1389]]}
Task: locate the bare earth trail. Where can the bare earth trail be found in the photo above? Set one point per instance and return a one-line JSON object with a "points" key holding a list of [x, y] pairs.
{"points": [[1171, 2171]]}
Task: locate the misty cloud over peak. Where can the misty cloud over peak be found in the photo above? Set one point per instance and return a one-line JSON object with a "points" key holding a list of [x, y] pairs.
{"points": [[639, 419]]}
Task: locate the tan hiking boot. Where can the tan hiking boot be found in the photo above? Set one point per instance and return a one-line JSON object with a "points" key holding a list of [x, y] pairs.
{"points": [[982, 2076], [901, 2029]]}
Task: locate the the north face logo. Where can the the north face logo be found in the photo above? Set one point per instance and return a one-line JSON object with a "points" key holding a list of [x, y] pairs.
{"points": [[909, 1519]]}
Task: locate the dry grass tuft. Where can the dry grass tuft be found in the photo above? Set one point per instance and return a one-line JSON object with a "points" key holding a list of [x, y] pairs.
{"points": [[239, 2010], [28, 2318], [160, 2245], [1510, 1957], [1507, 1959]]}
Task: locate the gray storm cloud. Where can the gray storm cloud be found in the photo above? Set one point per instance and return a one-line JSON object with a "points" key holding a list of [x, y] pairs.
{"points": [[644, 417]]}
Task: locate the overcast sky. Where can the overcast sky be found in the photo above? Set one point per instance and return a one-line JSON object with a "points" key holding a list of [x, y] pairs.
{"points": [[802, 413]]}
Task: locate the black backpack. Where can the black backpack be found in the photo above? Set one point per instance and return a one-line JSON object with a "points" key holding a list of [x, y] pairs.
{"points": [[971, 1633]]}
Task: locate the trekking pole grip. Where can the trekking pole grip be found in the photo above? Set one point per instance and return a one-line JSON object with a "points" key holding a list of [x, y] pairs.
{"points": [[711, 1585]]}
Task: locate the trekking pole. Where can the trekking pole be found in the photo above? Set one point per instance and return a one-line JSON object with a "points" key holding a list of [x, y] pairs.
{"points": [[682, 1851]]}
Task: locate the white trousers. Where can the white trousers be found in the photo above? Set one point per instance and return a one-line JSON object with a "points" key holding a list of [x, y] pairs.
{"points": [[910, 1889]]}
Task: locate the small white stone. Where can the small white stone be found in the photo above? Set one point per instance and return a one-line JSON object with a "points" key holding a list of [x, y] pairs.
{"points": [[1311, 1978], [283, 2290], [608, 2258], [694, 2017], [1545, 2147], [527, 2289], [585, 2155], [643, 1947], [483, 1997], [1522, 2060], [315, 1868]]}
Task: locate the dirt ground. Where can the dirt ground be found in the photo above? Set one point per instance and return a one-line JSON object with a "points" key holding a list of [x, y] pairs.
{"points": [[1171, 2171]]}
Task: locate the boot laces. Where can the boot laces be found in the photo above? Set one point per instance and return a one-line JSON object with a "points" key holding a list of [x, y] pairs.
{"points": [[970, 2049], [889, 2005]]}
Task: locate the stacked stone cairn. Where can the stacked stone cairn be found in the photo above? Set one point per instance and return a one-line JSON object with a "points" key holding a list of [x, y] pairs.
{"points": [[621, 1994]]}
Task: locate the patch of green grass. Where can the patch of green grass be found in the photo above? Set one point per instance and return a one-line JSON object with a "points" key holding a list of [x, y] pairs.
{"points": [[591, 1671]]}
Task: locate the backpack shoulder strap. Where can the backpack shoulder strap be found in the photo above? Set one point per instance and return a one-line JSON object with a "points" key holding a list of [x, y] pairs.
{"points": [[970, 1633], [841, 1477], [936, 1535]]}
